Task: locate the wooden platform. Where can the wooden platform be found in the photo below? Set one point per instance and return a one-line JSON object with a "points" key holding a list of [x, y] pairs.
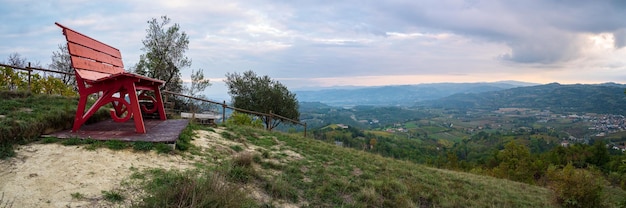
{"points": [[165, 131]]}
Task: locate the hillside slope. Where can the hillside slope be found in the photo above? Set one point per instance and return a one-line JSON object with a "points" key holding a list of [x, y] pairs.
{"points": [[282, 170]]}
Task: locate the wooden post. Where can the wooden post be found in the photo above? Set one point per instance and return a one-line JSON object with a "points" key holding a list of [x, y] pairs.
{"points": [[224, 113], [269, 121], [304, 129], [29, 74]]}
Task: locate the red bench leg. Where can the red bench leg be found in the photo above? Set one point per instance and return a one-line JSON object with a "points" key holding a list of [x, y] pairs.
{"points": [[159, 103], [135, 109], [80, 111]]}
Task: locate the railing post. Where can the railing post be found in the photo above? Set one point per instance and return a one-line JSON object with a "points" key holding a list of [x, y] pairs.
{"points": [[269, 121], [224, 113], [29, 73]]}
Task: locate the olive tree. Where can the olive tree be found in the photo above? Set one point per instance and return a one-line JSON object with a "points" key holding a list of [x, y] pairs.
{"points": [[262, 94], [164, 56]]}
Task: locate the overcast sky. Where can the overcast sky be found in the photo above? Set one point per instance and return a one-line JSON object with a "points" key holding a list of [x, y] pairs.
{"points": [[311, 43]]}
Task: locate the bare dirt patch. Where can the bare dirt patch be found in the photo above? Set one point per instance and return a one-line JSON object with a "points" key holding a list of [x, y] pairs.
{"points": [[46, 175]]}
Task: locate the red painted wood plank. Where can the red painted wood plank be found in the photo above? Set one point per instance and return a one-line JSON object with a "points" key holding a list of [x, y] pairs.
{"points": [[82, 51], [75, 37], [91, 75], [81, 63]]}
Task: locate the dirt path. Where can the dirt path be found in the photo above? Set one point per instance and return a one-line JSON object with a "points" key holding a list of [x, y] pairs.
{"points": [[46, 175]]}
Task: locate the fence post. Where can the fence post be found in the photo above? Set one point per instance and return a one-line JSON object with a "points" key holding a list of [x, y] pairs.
{"points": [[224, 113], [29, 73], [269, 121], [304, 129]]}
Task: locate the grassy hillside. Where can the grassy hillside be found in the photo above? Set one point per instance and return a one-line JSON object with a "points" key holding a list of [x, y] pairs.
{"points": [[238, 166], [347, 177]]}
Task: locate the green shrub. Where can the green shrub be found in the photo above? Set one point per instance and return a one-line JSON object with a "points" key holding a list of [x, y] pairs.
{"points": [[244, 120], [576, 187]]}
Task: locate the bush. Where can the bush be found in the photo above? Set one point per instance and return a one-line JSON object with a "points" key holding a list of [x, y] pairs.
{"points": [[576, 187], [243, 119]]}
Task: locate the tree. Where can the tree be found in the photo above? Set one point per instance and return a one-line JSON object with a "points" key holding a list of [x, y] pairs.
{"points": [[61, 61], [198, 84], [515, 163], [262, 94], [164, 56]]}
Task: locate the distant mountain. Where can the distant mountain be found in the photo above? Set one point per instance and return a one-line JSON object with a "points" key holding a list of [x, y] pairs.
{"points": [[400, 94], [596, 98]]}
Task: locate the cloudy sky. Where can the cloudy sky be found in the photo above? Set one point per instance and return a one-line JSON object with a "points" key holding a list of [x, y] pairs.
{"points": [[323, 43]]}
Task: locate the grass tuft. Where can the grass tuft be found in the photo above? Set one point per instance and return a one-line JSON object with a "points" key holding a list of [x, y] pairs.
{"points": [[190, 189], [77, 195], [72, 141], [113, 196], [143, 146], [116, 144]]}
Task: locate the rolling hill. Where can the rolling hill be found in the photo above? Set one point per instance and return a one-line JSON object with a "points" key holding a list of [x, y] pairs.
{"points": [[605, 98], [405, 95]]}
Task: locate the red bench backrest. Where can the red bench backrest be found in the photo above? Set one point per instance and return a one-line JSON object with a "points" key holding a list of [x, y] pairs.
{"points": [[88, 54]]}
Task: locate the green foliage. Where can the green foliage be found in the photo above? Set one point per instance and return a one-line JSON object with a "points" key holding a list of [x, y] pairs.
{"points": [[262, 94], [515, 163], [18, 80], [237, 118], [164, 57], [576, 187]]}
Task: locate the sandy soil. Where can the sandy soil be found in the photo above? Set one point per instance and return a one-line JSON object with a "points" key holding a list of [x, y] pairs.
{"points": [[45, 175]]}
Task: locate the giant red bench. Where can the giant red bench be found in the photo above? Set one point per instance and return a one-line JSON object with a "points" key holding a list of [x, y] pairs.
{"points": [[99, 70]]}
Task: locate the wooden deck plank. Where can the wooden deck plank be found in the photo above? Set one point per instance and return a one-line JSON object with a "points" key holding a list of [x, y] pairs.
{"points": [[163, 131]]}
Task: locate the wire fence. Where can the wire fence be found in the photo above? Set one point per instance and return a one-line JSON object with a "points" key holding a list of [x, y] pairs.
{"points": [[223, 105]]}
